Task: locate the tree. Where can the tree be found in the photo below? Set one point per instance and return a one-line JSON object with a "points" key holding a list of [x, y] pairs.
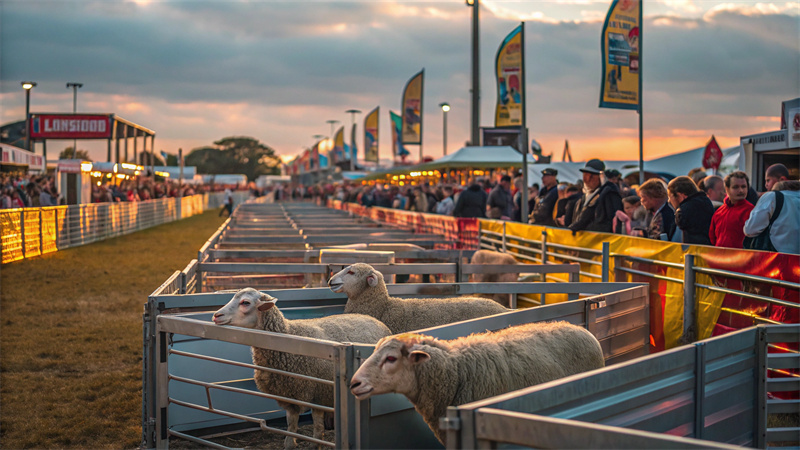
{"points": [[67, 154], [237, 154]]}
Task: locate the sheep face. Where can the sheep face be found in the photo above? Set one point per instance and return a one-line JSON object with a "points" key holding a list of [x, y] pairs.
{"points": [[389, 369], [242, 310], [354, 279]]}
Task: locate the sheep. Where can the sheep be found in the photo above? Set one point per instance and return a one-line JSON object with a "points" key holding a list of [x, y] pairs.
{"points": [[250, 308], [492, 257], [367, 294], [434, 374]]}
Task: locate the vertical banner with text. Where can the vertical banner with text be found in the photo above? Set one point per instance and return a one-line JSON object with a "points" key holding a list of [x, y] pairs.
{"points": [[398, 150], [337, 154], [508, 70], [412, 110], [621, 54], [371, 135]]}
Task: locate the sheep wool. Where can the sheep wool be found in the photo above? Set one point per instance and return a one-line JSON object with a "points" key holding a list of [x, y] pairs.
{"points": [[492, 257], [367, 294], [434, 374], [250, 308]]}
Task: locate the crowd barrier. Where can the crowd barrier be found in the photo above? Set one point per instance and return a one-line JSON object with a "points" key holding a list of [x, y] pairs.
{"points": [[29, 232], [463, 232], [695, 291]]}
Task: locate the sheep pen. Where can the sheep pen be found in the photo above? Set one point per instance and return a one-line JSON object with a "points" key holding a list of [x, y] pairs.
{"points": [[434, 374], [250, 308], [367, 294], [493, 257]]}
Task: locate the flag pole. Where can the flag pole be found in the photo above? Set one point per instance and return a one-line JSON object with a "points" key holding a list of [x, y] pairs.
{"points": [[641, 73], [523, 144]]}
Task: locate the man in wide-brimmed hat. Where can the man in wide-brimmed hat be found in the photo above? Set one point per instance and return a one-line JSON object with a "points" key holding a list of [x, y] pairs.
{"points": [[600, 202]]}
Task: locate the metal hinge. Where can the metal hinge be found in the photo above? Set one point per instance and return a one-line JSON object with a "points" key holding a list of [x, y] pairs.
{"points": [[449, 423], [599, 303]]}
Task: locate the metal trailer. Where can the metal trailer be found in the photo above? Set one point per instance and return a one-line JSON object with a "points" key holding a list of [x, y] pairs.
{"points": [[197, 377], [715, 393]]}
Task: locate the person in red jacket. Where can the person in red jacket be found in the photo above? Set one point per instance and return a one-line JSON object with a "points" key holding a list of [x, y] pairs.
{"points": [[727, 224]]}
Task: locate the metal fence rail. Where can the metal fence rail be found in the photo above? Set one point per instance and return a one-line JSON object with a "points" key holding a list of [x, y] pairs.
{"points": [[29, 232], [189, 371], [715, 390]]}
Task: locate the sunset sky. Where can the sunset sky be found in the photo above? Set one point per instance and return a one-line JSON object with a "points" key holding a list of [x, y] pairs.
{"points": [[196, 71]]}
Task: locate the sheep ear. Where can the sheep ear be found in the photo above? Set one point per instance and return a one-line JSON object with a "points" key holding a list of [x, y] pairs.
{"points": [[418, 357], [266, 302], [372, 279]]}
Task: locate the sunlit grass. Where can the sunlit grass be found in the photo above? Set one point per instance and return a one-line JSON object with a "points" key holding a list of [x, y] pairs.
{"points": [[71, 336]]}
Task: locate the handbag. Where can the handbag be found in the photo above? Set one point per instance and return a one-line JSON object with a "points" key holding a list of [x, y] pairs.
{"points": [[762, 240]]}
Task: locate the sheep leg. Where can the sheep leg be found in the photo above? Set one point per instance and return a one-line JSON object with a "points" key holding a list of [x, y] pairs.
{"points": [[318, 416], [292, 419]]}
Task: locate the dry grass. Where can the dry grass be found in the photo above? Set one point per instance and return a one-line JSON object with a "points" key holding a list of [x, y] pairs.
{"points": [[71, 336]]}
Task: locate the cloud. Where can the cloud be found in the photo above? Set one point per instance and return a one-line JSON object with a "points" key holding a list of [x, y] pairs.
{"points": [[196, 71]]}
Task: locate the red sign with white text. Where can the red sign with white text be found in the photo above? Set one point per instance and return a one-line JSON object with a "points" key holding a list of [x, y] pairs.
{"points": [[70, 126]]}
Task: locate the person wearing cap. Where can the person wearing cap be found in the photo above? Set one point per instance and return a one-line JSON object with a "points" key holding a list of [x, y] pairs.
{"points": [[600, 202], [542, 213]]}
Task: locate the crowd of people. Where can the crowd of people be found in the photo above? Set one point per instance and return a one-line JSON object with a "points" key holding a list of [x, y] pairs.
{"points": [[30, 190], [25, 190], [693, 209]]}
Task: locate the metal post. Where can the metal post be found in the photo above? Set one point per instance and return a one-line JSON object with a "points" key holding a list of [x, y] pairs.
{"points": [[689, 308], [605, 266], [162, 391], [699, 389], [475, 91], [41, 238], [28, 85], [75, 87], [760, 429], [544, 247], [504, 237]]}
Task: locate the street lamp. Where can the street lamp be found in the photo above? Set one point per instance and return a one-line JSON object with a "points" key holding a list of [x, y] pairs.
{"points": [[475, 122], [28, 85], [353, 155], [75, 87], [445, 107]]}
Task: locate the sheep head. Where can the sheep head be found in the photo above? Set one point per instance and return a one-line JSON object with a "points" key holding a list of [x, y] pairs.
{"points": [[354, 279], [242, 310], [391, 367]]}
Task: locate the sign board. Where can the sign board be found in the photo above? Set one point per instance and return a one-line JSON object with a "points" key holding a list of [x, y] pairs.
{"points": [[794, 127], [500, 137], [70, 126]]}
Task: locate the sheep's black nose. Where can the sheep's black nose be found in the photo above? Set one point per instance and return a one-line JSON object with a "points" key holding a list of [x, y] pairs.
{"points": [[355, 384]]}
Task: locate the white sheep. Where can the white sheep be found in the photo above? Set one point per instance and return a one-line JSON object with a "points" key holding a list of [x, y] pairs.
{"points": [[434, 374], [367, 294], [492, 257], [250, 308]]}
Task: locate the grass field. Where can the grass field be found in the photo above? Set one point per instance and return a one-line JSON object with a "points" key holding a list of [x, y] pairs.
{"points": [[71, 336]]}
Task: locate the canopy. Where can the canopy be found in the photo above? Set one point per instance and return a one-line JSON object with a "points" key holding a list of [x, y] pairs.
{"points": [[487, 157]]}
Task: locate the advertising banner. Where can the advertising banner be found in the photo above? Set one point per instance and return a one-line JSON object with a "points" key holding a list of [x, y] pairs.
{"points": [[412, 110], [508, 70], [794, 127], [352, 152], [397, 142], [70, 126], [620, 55], [337, 154], [371, 137]]}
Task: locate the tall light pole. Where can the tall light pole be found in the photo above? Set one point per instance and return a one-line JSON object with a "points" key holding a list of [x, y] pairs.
{"points": [[75, 87], [353, 155], [476, 74], [445, 107], [28, 85]]}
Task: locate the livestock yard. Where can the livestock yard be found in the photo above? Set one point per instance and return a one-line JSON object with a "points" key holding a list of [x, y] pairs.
{"points": [[107, 376], [198, 376]]}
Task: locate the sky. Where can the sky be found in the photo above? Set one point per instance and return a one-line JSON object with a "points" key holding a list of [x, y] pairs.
{"points": [[196, 71]]}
